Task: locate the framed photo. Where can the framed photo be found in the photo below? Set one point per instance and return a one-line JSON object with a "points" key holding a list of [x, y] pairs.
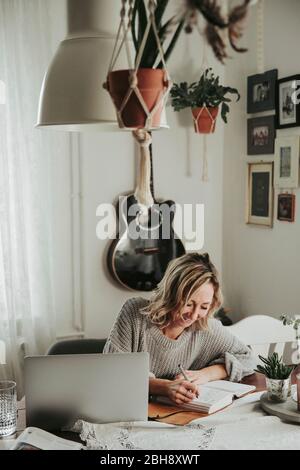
{"points": [[287, 152], [286, 207], [261, 135], [288, 107], [260, 194], [261, 91]]}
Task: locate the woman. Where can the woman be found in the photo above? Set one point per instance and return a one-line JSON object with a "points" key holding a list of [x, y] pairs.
{"points": [[176, 327]]}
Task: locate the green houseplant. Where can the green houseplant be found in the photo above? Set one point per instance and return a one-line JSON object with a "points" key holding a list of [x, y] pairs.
{"points": [[151, 78], [277, 377], [204, 98], [186, 18]]}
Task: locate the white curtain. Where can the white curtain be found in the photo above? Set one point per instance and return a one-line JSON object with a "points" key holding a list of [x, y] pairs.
{"points": [[27, 321]]}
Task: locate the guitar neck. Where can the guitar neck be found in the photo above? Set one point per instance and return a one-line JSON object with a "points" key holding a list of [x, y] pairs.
{"points": [[151, 175]]}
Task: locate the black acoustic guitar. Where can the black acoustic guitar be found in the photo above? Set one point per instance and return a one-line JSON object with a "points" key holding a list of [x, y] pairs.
{"points": [[137, 259]]}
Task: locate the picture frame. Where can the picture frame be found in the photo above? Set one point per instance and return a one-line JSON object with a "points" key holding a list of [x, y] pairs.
{"points": [[261, 91], [260, 194], [287, 153], [286, 205], [288, 111], [261, 135]]}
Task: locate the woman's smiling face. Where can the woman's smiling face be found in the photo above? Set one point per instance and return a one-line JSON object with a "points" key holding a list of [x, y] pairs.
{"points": [[197, 306]]}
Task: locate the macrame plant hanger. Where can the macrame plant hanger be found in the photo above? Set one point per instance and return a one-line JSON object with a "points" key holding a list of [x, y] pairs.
{"points": [[260, 37], [142, 134], [204, 66]]}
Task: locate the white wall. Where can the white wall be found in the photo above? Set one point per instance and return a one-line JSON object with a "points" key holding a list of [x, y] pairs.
{"points": [[261, 266], [107, 169]]}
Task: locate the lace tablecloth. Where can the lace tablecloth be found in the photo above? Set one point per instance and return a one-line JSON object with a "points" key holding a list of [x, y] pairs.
{"points": [[246, 426], [145, 436], [242, 426]]}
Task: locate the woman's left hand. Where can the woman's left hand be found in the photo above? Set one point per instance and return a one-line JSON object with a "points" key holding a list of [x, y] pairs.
{"points": [[198, 377]]}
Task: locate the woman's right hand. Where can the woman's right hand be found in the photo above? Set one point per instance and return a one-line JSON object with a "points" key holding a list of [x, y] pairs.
{"points": [[181, 391]]}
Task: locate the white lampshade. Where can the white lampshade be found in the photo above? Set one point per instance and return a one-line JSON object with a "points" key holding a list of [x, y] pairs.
{"points": [[72, 97]]}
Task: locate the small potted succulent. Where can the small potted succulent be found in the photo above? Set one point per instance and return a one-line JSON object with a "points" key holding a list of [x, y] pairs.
{"points": [[278, 377], [204, 97]]}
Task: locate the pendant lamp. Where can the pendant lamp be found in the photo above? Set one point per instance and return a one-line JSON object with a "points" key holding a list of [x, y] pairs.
{"points": [[72, 97]]}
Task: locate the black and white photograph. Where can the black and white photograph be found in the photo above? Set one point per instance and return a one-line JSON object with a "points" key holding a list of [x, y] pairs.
{"points": [[260, 194], [261, 93], [261, 135], [288, 110], [287, 152], [286, 207]]}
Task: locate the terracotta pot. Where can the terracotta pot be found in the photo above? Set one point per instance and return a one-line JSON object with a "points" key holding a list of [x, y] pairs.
{"points": [[151, 83], [203, 119]]}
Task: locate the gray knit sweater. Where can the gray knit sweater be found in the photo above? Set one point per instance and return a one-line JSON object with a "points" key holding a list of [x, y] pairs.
{"points": [[194, 350]]}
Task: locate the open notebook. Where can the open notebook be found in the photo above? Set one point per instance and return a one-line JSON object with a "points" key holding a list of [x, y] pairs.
{"points": [[213, 396]]}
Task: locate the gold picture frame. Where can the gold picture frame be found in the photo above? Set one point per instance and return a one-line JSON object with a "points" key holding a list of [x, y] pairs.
{"points": [[260, 194]]}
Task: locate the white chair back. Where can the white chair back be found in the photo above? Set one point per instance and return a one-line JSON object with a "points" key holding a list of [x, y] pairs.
{"points": [[266, 335]]}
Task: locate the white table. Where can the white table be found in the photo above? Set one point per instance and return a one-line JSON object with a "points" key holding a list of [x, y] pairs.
{"points": [[246, 426]]}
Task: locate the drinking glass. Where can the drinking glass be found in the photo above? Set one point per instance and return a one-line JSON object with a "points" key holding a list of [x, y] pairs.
{"points": [[8, 408]]}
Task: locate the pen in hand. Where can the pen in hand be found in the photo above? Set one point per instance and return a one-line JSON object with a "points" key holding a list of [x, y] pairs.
{"points": [[186, 378]]}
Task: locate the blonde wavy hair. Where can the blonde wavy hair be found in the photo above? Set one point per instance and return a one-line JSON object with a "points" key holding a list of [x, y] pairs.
{"points": [[182, 278]]}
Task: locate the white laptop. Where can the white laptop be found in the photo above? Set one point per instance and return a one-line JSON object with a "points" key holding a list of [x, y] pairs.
{"points": [[98, 388]]}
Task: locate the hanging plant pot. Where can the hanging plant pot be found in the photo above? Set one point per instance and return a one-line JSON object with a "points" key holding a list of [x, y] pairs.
{"points": [[133, 110], [205, 119]]}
